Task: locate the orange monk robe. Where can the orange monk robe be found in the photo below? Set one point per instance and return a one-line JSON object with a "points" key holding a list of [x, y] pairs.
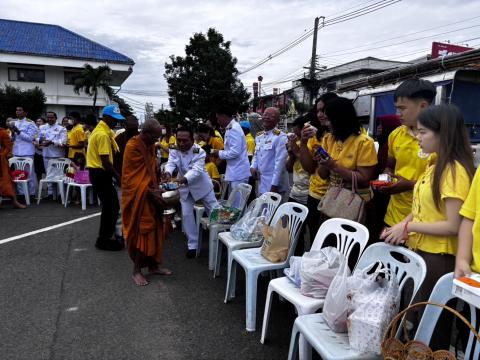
{"points": [[7, 187], [142, 228]]}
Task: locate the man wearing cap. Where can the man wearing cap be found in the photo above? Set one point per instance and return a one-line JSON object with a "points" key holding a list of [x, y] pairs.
{"points": [[248, 138], [235, 151], [101, 147]]}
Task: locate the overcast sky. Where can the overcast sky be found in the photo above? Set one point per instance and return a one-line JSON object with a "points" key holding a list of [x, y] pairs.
{"points": [[150, 31]]}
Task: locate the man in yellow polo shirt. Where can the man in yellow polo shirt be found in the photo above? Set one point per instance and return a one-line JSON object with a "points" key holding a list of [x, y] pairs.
{"points": [[406, 161], [76, 137], [101, 147], [248, 138]]}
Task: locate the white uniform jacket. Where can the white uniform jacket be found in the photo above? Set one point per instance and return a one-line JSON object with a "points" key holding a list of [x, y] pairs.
{"points": [[57, 134], [235, 153], [191, 165], [23, 142]]}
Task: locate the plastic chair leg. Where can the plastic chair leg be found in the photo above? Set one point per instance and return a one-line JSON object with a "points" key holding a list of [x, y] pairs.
{"points": [[26, 193], [212, 237], [198, 218], [61, 191], [39, 196], [231, 281], [83, 193], [218, 258], [293, 350], [266, 314], [251, 299], [90, 197]]}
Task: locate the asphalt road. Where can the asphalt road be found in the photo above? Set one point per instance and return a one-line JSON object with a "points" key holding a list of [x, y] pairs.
{"points": [[60, 298]]}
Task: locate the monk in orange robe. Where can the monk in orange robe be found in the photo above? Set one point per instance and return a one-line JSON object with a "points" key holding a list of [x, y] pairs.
{"points": [[142, 204], [7, 186]]}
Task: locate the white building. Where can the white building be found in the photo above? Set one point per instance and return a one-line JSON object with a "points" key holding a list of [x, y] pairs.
{"points": [[51, 57]]}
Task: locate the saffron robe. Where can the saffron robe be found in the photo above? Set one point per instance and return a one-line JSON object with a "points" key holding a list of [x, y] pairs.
{"points": [[7, 187]]}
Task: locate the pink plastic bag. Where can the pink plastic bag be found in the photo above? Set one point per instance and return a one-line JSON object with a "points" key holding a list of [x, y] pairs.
{"points": [[81, 177]]}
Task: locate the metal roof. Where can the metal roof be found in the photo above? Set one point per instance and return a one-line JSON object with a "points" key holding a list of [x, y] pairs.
{"points": [[26, 38]]}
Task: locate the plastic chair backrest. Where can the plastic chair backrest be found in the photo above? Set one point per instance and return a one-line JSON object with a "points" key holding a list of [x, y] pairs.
{"points": [[244, 191], [296, 213], [21, 163], [269, 201], [62, 163], [441, 294], [348, 233], [412, 267]]}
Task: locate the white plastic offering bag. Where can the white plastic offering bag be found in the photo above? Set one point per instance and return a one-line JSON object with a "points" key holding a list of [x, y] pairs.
{"points": [[293, 272], [249, 227], [318, 268]]}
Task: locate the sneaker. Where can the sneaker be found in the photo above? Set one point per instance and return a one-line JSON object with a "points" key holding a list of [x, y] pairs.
{"points": [[108, 245], [191, 253]]}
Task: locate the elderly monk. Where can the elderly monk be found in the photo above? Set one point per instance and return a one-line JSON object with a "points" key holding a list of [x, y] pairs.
{"points": [[7, 187], [142, 204]]}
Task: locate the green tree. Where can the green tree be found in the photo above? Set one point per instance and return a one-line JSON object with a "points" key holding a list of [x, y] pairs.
{"points": [[92, 80], [168, 118], [206, 77], [32, 100]]}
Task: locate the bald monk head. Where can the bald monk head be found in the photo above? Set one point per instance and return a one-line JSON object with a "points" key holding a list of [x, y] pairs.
{"points": [[270, 118], [151, 131]]}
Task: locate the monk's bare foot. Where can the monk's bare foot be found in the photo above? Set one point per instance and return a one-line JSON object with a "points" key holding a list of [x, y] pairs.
{"points": [[160, 271], [17, 205], [139, 280]]}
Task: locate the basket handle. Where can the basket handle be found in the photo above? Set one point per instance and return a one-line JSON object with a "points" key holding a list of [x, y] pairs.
{"points": [[391, 330]]}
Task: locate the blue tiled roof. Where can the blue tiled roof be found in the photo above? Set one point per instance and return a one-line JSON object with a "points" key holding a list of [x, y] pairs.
{"points": [[18, 37]]}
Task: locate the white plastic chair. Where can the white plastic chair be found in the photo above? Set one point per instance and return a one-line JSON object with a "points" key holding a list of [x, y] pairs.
{"points": [[335, 346], [244, 191], [270, 201], [348, 234], [83, 193], [25, 164], [61, 163], [441, 294], [254, 263]]}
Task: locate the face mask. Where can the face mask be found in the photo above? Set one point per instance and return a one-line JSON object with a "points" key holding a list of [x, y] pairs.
{"points": [[70, 122], [164, 131]]}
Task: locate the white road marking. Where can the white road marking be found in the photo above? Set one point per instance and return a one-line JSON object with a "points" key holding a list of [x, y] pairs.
{"points": [[74, 308], [48, 228]]}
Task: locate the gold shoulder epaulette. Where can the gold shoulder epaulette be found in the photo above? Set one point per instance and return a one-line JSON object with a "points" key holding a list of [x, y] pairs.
{"points": [[173, 147], [30, 120], [277, 131], [196, 150], [260, 133]]}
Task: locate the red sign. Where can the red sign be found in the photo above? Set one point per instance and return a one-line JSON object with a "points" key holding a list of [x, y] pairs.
{"points": [[442, 49]]}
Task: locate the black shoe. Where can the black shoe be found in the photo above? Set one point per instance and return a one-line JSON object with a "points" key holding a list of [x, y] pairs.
{"points": [[108, 245], [191, 253]]}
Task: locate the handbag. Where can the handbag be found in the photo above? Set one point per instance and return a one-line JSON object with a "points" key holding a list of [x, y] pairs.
{"points": [[81, 177], [339, 202]]}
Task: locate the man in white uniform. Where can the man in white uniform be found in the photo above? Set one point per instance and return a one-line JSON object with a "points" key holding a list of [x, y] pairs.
{"points": [[195, 184], [235, 152], [23, 135], [268, 163]]}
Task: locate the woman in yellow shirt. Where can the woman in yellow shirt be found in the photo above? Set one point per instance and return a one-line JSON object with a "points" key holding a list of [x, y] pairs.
{"points": [[432, 227], [349, 149], [207, 134]]}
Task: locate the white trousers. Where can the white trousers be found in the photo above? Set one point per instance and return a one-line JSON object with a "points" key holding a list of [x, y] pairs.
{"points": [[188, 216]]}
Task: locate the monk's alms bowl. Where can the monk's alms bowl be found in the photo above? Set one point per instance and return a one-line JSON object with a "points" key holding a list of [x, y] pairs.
{"points": [[171, 197]]}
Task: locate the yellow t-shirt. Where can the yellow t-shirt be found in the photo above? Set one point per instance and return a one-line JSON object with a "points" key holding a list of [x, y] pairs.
{"points": [[101, 142], [75, 137], [219, 135], [469, 210], [410, 163], [212, 171], [250, 144], [216, 143], [356, 151], [171, 142], [454, 184], [318, 186]]}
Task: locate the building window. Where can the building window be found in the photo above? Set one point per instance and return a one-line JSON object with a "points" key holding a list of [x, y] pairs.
{"points": [[26, 75], [71, 76]]}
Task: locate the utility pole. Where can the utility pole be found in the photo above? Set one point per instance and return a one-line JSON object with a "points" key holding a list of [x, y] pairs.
{"points": [[313, 63]]}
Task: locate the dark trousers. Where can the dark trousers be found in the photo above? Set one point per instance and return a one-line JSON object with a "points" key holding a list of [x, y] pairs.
{"points": [[103, 186]]}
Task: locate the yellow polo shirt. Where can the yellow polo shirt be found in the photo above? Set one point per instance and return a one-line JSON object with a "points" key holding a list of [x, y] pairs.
{"points": [[75, 137], [356, 151], [172, 141], [472, 212], [454, 184], [101, 142], [212, 171], [216, 143], [318, 186], [410, 163], [250, 144]]}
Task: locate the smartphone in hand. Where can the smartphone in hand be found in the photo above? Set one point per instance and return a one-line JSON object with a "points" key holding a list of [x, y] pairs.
{"points": [[323, 153]]}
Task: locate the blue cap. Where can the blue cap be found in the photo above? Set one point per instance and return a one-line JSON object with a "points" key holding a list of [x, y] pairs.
{"points": [[245, 124], [113, 111]]}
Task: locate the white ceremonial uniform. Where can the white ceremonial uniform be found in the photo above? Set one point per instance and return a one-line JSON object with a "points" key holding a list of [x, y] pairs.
{"points": [[235, 153], [269, 160], [23, 146], [57, 134], [199, 187]]}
